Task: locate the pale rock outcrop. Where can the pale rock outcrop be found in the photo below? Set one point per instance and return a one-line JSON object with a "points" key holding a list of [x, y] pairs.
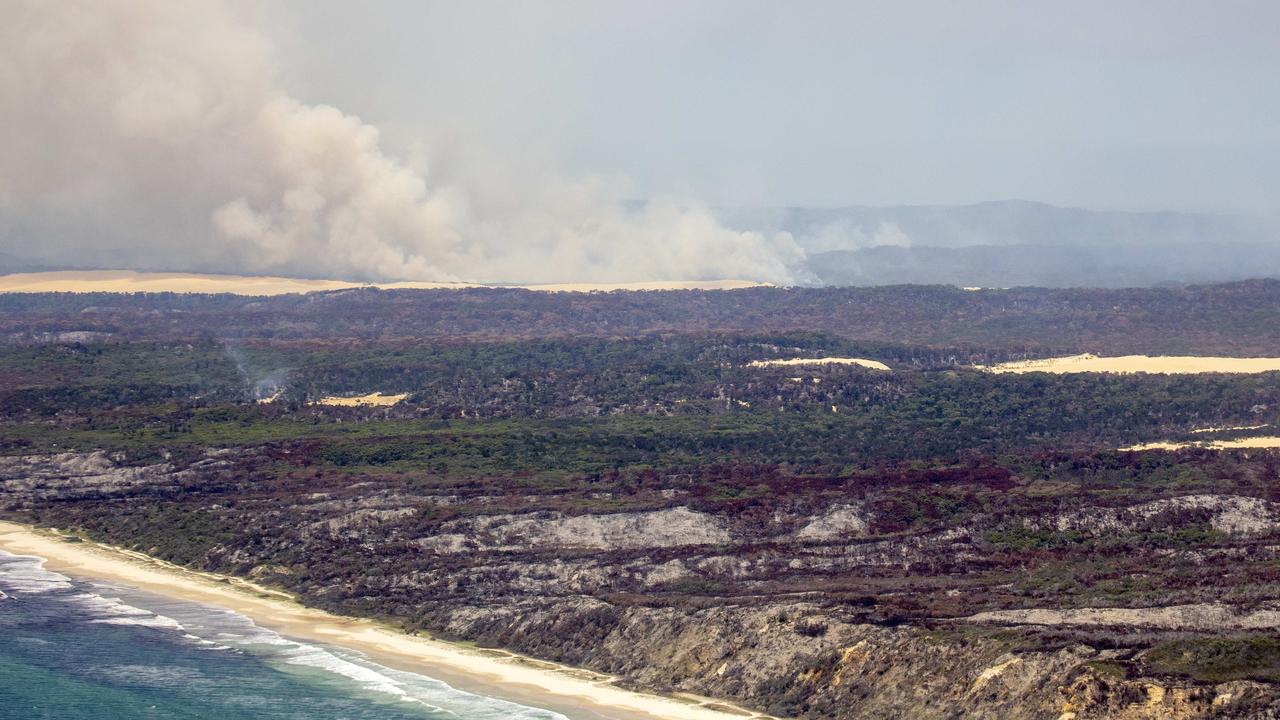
{"points": [[616, 531], [1202, 617], [1233, 514], [839, 521]]}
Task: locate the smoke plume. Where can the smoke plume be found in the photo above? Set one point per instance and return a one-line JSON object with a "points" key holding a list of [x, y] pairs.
{"points": [[845, 234], [154, 133]]}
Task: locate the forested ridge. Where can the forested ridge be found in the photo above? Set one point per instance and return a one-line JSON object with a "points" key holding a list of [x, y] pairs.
{"points": [[1236, 319]]}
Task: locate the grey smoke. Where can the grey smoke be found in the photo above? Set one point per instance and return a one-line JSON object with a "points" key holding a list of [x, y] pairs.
{"points": [[154, 133], [845, 234], [261, 383]]}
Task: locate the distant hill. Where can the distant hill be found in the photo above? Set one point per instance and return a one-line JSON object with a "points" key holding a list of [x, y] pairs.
{"points": [[1016, 242], [10, 263], [1049, 265]]}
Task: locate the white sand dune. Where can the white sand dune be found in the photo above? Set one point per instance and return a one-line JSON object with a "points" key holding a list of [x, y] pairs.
{"points": [[1267, 441], [1159, 445], [1250, 442], [129, 281], [375, 399], [577, 693], [873, 364], [1172, 364]]}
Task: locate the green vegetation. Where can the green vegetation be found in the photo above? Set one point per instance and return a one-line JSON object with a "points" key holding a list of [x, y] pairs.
{"points": [[1218, 659], [594, 403]]}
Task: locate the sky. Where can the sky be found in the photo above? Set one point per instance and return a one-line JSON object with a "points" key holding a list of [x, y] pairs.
{"points": [[1116, 105], [548, 141]]}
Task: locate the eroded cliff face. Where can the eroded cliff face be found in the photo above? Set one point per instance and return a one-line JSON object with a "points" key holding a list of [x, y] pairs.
{"points": [[769, 658], [1091, 696], [825, 606]]}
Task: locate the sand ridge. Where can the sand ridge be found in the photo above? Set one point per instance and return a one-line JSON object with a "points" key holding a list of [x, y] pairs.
{"points": [[1248, 443], [1125, 364], [1229, 428], [130, 281], [862, 362], [578, 693], [373, 399]]}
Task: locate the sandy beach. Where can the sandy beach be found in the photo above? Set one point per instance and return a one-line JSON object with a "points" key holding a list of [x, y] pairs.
{"points": [[1171, 364], [579, 694], [129, 281]]}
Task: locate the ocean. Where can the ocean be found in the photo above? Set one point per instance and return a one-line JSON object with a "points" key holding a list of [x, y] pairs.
{"points": [[74, 649]]}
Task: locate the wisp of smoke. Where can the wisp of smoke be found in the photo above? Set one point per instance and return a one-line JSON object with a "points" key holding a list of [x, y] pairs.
{"points": [[844, 235], [154, 132], [261, 384]]}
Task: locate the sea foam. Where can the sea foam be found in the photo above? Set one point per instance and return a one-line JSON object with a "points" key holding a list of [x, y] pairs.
{"points": [[221, 629]]}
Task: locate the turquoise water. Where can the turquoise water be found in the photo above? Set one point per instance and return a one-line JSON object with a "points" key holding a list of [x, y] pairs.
{"points": [[74, 650]]}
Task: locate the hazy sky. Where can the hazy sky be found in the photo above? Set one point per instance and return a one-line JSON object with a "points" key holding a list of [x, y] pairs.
{"points": [[1115, 104], [599, 141]]}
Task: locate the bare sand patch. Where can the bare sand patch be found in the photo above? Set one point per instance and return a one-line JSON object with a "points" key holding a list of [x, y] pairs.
{"points": [[129, 281], [1238, 443], [375, 399], [863, 362], [1229, 428], [1159, 445], [1257, 442], [568, 690], [1267, 441], [1249, 442], [1165, 364]]}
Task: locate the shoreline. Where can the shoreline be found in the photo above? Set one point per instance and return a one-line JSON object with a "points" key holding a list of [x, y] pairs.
{"points": [[577, 693]]}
